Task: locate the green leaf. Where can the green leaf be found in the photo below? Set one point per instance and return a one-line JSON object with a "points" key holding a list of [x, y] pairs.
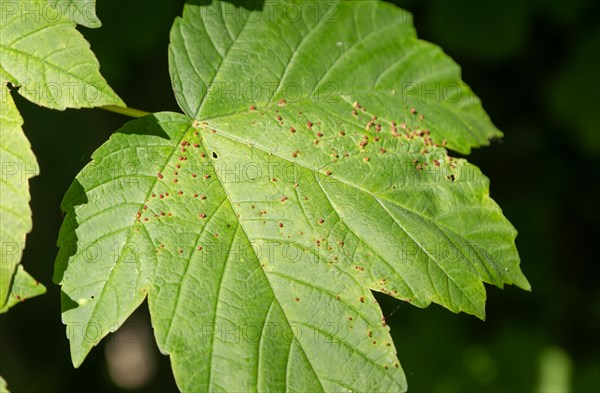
{"points": [[42, 52], [225, 58], [3, 387], [18, 166], [82, 12], [258, 228], [23, 287]]}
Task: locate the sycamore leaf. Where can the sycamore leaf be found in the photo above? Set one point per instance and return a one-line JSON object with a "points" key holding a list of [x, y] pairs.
{"points": [[82, 12], [258, 226], [42, 52], [50, 62], [22, 288], [18, 166]]}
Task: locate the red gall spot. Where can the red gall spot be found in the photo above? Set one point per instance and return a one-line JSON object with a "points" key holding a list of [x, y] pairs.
{"points": [[274, 180], [180, 251], [278, 118], [170, 214], [362, 299], [413, 110], [328, 173], [216, 235], [175, 180], [354, 113], [252, 108], [145, 207], [181, 158], [321, 221], [202, 155], [276, 110], [207, 176], [160, 175], [295, 154], [316, 142], [284, 198], [363, 144], [177, 166], [282, 102], [199, 248], [162, 213], [374, 118], [366, 159], [180, 192], [145, 218], [296, 185], [309, 124], [376, 139], [296, 299], [213, 131], [369, 333], [195, 195], [374, 342], [183, 149], [166, 194], [263, 212], [349, 318], [292, 130], [318, 243], [342, 133], [161, 196], [156, 215], [202, 197], [421, 117], [319, 134], [202, 215], [436, 162], [162, 246], [153, 195], [196, 125], [196, 145], [194, 175], [364, 109], [280, 225], [175, 173], [337, 297], [382, 150]]}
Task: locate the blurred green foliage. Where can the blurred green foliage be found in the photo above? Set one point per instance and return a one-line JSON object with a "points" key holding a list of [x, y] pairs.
{"points": [[535, 66]]}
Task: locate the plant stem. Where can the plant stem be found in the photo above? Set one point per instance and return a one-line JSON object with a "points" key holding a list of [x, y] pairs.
{"points": [[131, 112]]}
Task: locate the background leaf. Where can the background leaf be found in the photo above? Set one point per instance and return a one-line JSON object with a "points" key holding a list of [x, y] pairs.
{"points": [[23, 287], [82, 12], [49, 59], [50, 62], [18, 166]]}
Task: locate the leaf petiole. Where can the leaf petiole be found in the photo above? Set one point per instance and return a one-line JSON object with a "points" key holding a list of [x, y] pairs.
{"points": [[131, 112]]}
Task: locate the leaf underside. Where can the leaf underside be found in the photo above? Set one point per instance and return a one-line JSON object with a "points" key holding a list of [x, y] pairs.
{"points": [[258, 225]]}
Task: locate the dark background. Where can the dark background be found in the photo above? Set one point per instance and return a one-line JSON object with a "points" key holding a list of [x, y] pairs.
{"points": [[534, 64]]}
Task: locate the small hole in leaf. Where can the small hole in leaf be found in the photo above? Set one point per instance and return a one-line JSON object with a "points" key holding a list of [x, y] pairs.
{"points": [[215, 156]]}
